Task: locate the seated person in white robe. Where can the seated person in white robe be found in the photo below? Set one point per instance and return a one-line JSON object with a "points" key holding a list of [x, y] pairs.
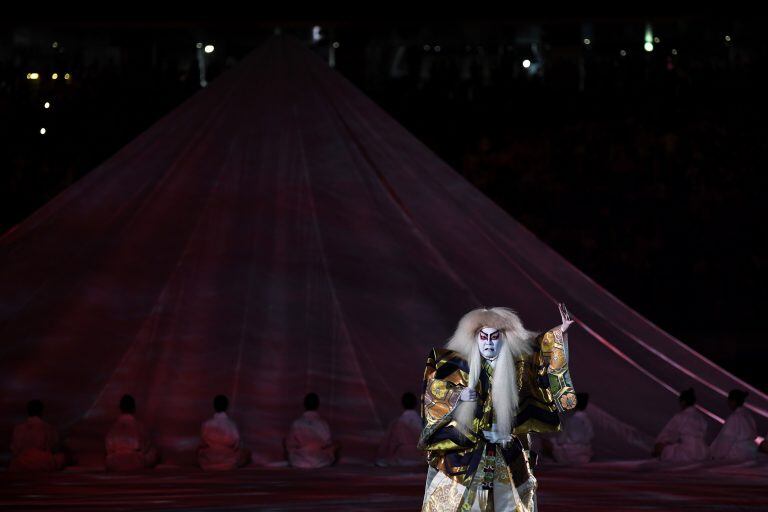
{"points": [[399, 446], [736, 440], [220, 444], [34, 445], [309, 443], [128, 444], [682, 438], [573, 445]]}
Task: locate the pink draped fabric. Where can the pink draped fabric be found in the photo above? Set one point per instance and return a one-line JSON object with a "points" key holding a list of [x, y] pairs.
{"points": [[684, 437], [129, 446], [573, 445], [220, 444], [309, 443], [399, 445], [33, 446], [279, 233], [736, 440]]}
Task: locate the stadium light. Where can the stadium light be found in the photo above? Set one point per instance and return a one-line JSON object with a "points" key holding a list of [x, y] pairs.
{"points": [[648, 38]]}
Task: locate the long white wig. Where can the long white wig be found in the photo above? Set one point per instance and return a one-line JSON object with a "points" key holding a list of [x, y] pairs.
{"points": [[515, 341]]}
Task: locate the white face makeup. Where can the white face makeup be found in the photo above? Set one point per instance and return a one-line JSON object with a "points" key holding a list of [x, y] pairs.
{"points": [[489, 342]]}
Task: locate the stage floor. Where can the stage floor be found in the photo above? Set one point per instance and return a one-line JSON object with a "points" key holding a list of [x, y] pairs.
{"points": [[614, 486]]}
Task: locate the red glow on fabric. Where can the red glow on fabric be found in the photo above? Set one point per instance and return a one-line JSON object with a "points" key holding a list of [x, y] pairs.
{"points": [[279, 233]]}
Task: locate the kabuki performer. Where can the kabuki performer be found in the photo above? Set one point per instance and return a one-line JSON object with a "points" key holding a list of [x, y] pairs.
{"points": [[492, 385]]}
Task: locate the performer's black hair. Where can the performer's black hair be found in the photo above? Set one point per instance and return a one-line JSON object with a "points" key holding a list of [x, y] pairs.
{"points": [[34, 408], [220, 403], [127, 404], [738, 396], [409, 400], [688, 396], [311, 402]]}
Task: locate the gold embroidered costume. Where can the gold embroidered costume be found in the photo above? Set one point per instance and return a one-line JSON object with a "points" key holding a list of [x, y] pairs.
{"points": [[467, 472]]}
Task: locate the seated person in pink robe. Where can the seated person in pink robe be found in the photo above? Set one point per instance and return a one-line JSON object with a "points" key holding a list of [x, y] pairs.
{"points": [[129, 447], [35, 443], [573, 445], [399, 446], [736, 440], [309, 443], [682, 438], [220, 444]]}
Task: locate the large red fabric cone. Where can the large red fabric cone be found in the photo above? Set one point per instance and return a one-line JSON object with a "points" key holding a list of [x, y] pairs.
{"points": [[279, 233]]}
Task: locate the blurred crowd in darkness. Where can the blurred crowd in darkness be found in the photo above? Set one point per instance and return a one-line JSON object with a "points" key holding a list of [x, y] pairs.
{"points": [[647, 170]]}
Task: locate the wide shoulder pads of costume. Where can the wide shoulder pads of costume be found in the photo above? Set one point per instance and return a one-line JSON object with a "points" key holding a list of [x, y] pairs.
{"points": [[446, 362]]}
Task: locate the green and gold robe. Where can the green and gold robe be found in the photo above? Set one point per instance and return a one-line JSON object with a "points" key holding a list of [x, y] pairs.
{"points": [[465, 471]]}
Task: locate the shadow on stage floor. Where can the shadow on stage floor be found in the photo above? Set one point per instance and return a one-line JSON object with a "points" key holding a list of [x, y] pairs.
{"points": [[608, 486]]}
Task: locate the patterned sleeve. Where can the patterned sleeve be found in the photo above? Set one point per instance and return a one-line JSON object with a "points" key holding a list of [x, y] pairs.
{"points": [[544, 383], [441, 389], [554, 350]]}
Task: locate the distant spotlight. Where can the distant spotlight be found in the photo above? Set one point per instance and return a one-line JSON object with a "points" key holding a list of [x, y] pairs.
{"points": [[336, 44], [55, 44], [438, 48], [316, 35], [427, 47], [648, 37], [623, 53], [33, 76], [648, 47], [587, 41], [727, 39], [42, 131], [199, 45], [526, 63], [55, 76], [656, 40], [67, 76], [209, 48], [47, 104], [674, 51]]}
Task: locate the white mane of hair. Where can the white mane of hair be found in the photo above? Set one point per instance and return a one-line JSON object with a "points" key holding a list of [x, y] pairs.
{"points": [[516, 340]]}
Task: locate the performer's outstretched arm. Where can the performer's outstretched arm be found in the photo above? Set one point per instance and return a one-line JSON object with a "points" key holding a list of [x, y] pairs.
{"points": [[554, 352], [545, 382]]}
